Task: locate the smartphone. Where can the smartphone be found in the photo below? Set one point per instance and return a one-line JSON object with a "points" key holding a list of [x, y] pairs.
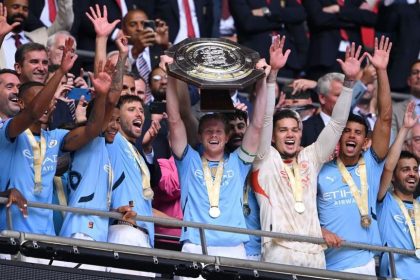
{"points": [[149, 24], [157, 107], [76, 93]]}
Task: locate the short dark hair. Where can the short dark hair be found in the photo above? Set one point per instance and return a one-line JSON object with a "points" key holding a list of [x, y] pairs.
{"points": [[359, 119], [287, 114], [238, 114], [28, 85], [414, 63], [128, 99], [25, 48], [8, 71], [408, 155], [213, 116]]}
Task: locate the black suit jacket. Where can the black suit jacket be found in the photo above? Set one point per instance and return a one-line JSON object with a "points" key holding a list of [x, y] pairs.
{"points": [[312, 127], [325, 28], [168, 11], [82, 28], [35, 9], [255, 32]]}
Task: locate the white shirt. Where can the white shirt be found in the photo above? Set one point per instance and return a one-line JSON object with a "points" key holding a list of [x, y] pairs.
{"points": [[9, 48], [45, 14], [182, 33], [145, 54], [325, 118]]}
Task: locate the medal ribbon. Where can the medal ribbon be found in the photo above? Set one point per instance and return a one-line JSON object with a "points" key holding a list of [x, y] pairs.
{"points": [[38, 151], [361, 197], [414, 229], [295, 181], [213, 186], [145, 174], [110, 182]]}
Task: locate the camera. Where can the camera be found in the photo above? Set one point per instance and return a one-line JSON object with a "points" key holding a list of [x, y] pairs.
{"points": [[149, 24]]}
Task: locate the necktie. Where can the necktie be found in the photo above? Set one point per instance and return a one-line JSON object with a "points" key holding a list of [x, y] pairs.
{"points": [[225, 9], [144, 72], [18, 43], [52, 10], [343, 32], [190, 27], [72, 109]]}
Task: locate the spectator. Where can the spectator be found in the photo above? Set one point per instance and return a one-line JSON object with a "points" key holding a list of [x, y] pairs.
{"points": [[17, 12], [347, 211], [257, 21], [195, 24], [333, 25], [397, 208], [32, 63], [146, 44], [399, 20], [398, 109]]}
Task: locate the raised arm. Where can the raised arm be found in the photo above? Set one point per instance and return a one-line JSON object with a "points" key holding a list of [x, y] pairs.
{"points": [[80, 136], [329, 136], [117, 77], [395, 150], [177, 131], [252, 136], [382, 130], [4, 26], [277, 61], [102, 29], [42, 100]]}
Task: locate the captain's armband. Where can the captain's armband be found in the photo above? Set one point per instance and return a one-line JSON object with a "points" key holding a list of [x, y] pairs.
{"points": [[245, 156]]}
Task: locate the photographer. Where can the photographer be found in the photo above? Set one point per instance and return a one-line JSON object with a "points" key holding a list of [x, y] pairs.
{"points": [[147, 40]]}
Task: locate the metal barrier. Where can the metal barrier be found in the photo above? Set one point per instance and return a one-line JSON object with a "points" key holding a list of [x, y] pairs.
{"points": [[202, 227]]}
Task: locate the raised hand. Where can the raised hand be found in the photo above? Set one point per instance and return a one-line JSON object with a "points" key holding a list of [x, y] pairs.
{"points": [[100, 21], [149, 136], [122, 45], [69, 57], [262, 64], [352, 61], [102, 81], [381, 53], [4, 26], [277, 58], [165, 60], [410, 118], [162, 33]]}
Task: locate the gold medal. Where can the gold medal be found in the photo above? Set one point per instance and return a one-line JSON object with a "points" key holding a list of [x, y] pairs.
{"points": [[213, 186], [365, 221], [360, 196], [214, 212], [296, 184]]}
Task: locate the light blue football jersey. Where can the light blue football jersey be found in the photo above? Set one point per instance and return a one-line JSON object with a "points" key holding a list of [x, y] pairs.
{"points": [[195, 201], [89, 186], [339, 213]]}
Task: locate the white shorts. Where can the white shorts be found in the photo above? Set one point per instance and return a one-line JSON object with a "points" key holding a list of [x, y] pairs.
{"points": [[221, 251], [274, 253], [368, 269], [127, 235]]}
